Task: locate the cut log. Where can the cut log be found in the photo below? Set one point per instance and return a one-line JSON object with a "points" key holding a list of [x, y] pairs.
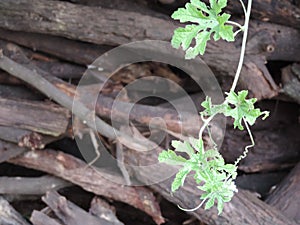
{"points": [[90, 179], [9, 216], [36, 116], [286, 196]]}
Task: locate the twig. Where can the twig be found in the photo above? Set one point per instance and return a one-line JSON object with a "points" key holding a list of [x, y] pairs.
{"points": [[80, 110]]}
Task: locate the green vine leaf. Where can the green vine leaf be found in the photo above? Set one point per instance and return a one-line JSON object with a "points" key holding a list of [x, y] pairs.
{"points": [[243, 108], [207, 20], [215, 178]]}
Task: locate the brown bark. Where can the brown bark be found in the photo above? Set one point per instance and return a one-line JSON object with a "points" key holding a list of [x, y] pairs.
{"points": [[90, 179], [40, 117], [286, 196], [8, 215]]}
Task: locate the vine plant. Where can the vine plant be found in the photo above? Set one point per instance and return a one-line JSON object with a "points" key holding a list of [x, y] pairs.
{"points": [[213, 176]]}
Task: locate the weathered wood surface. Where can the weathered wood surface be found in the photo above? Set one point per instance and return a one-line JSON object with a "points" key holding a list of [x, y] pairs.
{"points": [[99, 182], [9, 216], [9, 150], [286, 196], [69, 213], [254, 69], [102, 209], [31, 185], [41, 117], [39, 218], [63, 48], [290, 77], [244, 208]]}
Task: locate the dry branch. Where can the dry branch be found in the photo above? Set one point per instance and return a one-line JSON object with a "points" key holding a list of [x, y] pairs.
{"points": [[70, 213], [102, 209], [129, 26], [90, 179], [39, 218], [31, 186], [41, 117], [9, 216]]}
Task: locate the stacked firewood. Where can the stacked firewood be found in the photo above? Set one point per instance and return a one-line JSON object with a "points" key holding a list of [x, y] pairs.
{"points": [[46, 47]]}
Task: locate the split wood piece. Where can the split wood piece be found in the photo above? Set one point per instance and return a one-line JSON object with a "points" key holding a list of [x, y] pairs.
{"points": [[286, 196], [245, 208], [31, 186], [25, 138], [69, 213], [41, 117], [39, 218], [8, 215], [102, 209], [9, 150], [267, 154], [290, 77], [90, 179]]}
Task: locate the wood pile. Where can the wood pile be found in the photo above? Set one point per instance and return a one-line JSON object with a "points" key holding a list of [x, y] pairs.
{"points": [[46, 48]]}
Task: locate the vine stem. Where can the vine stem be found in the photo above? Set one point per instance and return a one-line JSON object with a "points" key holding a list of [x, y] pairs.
{"points": [[244, 42], [241, 60], [235, 24], [191, 210], [248, 146]]}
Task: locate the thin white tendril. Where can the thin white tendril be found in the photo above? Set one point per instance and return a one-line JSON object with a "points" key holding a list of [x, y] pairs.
{"points": [[235, 24], [246, 150], [191, 210], [244, 8]]}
